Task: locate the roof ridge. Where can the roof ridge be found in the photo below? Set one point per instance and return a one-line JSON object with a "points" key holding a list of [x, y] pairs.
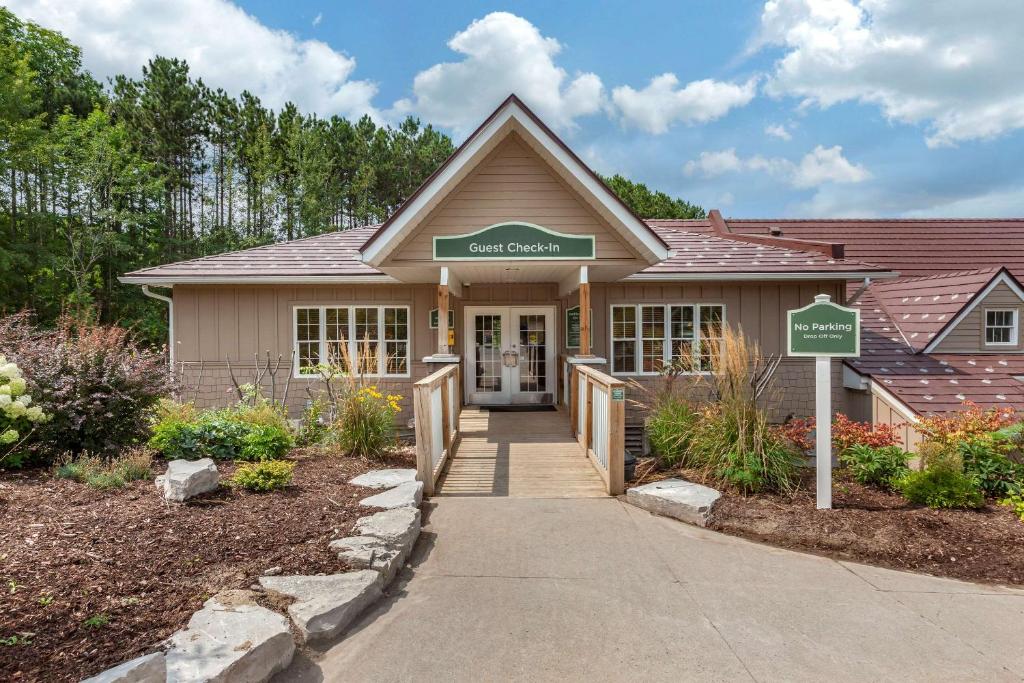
{"points": [[1009, 219]]}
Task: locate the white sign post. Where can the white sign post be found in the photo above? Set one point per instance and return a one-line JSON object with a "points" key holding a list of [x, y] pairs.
{"points": [[825, 331]]}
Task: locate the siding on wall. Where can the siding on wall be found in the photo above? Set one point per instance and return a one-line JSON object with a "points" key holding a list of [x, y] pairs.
{"points": [[883, 412], [512, 184], [969, 334]]}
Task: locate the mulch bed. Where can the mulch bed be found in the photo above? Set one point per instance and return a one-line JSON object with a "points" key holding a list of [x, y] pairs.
{"points": [[881, 528], [70, 553]]}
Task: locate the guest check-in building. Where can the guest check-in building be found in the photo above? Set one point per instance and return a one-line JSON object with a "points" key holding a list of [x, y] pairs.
{"points": [[515, 264]]}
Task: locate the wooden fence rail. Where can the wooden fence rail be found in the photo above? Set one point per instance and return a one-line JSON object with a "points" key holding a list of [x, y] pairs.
{"points": [[437, 405], [598, 418]]}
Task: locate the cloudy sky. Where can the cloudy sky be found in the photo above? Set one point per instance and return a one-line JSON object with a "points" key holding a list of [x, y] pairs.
{"points": [[778, 108]]}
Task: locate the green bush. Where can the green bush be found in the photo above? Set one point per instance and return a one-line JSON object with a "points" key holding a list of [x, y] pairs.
{"points": [[106, 474], [942, 483], [876, 466], [669, 427], [996, 474], [366, 422], [264, 476], [312, 430], [1016, 502], [231, 434]]}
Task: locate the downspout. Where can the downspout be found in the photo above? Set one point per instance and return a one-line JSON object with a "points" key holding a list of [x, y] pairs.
{"points": [[170, 321], [856, 295]]}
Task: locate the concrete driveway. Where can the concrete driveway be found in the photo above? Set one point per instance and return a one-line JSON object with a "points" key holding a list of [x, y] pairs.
{"points": [[597, 590]]}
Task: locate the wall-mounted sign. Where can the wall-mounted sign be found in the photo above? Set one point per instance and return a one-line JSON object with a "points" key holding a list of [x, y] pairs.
{"points": [[573, 325], [433, 318], [618, 394], [511, 241], [824, 329]]}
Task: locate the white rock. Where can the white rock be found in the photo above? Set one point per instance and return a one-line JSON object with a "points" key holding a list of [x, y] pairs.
{"points": [[398, 527], [367, 552], [187, 478], [384, 479], [228, 642], [145, 669], [325, 605], [408, 494], [678, 498]]}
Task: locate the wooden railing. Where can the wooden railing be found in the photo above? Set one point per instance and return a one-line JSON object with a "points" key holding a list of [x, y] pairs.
{"points": [[598, 417], [437, 404]]}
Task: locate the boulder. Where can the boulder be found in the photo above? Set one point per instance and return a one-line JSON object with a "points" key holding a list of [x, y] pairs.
{"points": [[187, 478], [408, 494], [230, 640], [384, 479], [367, 552], [678, 498], [145, 669], [398, 527], [325, 605]]}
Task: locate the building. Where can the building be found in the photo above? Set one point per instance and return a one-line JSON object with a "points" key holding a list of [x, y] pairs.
{"points": [[537, 266]]}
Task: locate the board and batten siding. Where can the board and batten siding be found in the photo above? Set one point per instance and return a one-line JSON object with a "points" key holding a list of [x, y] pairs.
{"points": [[884, 412], [969, 334], [512, 184]]}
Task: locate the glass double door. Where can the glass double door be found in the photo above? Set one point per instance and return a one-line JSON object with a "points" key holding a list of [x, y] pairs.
{"points": [[510, 354]]}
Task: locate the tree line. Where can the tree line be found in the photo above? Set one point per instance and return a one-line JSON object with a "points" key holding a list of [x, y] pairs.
{"points": [[99, 179]]}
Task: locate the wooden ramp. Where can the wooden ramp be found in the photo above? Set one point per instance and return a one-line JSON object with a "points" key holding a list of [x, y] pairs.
{"points": [[524, 455]]}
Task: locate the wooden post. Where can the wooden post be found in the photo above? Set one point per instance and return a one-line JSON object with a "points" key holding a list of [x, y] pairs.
{"points": [[424, 460], [588, 422], [446, 428], [574, 401], [584, 318], [616, 441], [442, 319]]}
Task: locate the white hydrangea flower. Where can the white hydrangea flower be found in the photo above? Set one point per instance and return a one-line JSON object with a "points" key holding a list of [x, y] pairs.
{"points": [[10, 436], [24, 399], [10, 370], [35, 414], [5, 389], [15, 409], [17, 385], [5, 400]]}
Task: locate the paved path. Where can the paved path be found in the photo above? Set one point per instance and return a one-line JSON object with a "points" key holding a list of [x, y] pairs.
{"points": [[597, 590]]}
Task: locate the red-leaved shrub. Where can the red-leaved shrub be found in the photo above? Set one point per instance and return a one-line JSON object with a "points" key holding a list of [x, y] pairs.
{"points": [[846, 433]]}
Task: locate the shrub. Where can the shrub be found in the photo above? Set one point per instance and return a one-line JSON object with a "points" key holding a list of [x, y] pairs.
{"points": [[264, 476], [876, 466], [669, 426], [219, 434], [312, 429], [18, 417], [799, 432], [966, 424], [942, 483], [366, 422], [847, 433], [992, 471], [105, 474], [1016, 503], [96, 383]]}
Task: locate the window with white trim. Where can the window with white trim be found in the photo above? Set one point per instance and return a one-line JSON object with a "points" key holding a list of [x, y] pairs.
{"points": [[1001, 327], [375, 337], [647, 337]]}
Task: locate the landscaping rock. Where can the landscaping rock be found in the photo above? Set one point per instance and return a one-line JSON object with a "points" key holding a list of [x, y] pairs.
{"points": [[408, 494], [325, 605], [384, 479], [398, 527], [230, 640], [145, 669], [187, 478], [678, 498], [368, 552]]}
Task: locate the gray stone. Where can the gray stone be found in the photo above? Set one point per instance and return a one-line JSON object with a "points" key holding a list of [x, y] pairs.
{"points": [[230, 640], [408, 494], [368, 552], [398, 527], [145, 669], [678, 498], [325, 605], [187, 478], [384, 479], [273, 571]]}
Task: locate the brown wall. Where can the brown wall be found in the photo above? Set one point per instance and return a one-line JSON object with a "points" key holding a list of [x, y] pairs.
{"points": [[884, 412], [512, 184], [969, 334]]}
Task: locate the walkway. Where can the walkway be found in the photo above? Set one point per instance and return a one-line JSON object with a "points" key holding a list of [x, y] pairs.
{"points": [[528, 455], [596, 590]]}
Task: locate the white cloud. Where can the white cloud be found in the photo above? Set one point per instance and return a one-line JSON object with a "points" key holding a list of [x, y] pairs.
{"points": [[778, 130], [820, 166], [223, 45], [318, 18], [662, 103], [954, 66], [503, 54]]}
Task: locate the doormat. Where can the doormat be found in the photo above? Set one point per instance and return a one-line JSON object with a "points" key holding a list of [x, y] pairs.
{"points": [[520, 409]]}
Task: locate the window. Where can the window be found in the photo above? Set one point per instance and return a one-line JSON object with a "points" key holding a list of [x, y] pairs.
{"points": [[375, 338], [647, 337], [1001, 327]]}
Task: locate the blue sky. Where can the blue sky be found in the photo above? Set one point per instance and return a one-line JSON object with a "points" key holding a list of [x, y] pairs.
{"points": [[772, 108]]}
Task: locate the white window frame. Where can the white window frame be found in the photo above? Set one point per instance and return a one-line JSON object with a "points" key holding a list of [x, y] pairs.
{"points": [[353, 344], [666, 340], [1013, 326]]}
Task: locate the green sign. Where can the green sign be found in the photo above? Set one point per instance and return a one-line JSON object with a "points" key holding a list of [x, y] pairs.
{"points": [[573, 326], [433, 319], [510, 241], [824, 329], [618, 394]]}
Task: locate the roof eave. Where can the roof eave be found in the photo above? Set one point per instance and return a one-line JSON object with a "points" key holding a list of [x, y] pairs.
{"points": [[752, 275], [171, 280]]}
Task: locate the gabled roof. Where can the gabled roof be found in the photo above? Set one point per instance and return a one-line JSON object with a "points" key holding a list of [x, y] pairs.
{"points": [[510, 115], [924, 306]]}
